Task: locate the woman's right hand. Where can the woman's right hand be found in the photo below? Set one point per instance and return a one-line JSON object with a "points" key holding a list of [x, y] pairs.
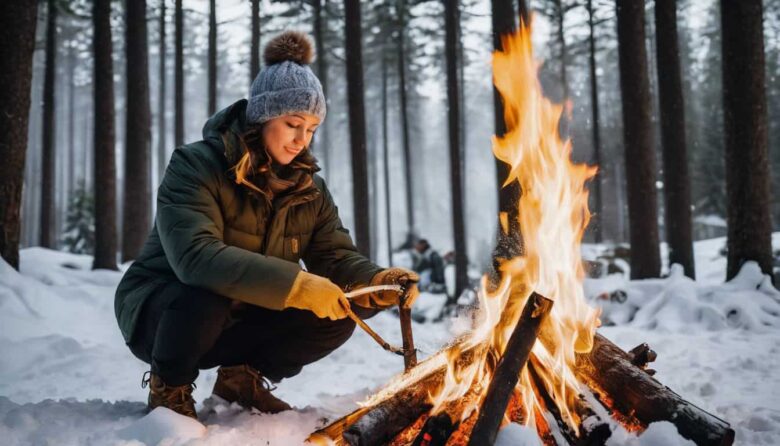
{"points": [[318, 295]]}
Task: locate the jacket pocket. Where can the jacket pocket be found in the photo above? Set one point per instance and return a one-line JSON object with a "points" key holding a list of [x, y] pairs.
{"points": [[243, 240]]}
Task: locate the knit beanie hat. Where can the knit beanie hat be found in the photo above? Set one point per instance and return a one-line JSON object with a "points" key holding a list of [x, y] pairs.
{"points": [[286, 85]]}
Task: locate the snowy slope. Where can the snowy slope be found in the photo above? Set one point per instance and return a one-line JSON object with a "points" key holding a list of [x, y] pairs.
{"points": [[67, 378]]}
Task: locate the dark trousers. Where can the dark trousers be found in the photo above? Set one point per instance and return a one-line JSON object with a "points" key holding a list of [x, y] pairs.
{"points": [[183, 329]]}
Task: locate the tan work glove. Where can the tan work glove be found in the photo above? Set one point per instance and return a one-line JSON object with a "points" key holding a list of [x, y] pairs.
{"points": [[388, 298], [318, 295]]}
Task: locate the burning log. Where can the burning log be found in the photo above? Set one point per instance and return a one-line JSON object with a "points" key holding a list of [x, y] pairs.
{"points": [[635, 394], [606, 369], [379, 423], [508, 370], [593, 431]]}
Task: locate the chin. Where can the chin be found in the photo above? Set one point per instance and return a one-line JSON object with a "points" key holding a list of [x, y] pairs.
{"points": [[286, 160]]}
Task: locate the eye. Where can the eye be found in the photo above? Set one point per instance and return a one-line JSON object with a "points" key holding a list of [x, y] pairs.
{"points": [[291, 125]]}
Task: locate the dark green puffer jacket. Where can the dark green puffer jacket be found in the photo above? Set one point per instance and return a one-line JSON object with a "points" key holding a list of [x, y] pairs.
{"points": [[210, 232]]}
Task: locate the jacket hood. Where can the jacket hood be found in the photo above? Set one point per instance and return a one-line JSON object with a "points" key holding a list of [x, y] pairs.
{"points": [[222, 129]]}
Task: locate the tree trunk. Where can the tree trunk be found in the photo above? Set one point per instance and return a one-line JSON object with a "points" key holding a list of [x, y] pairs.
{"points": [[745, 125], [677, 189], [162, 149], [254, 56], [17, 31], [178, 132], [456, 165], [138, 138], [104, 139], [509, 239], [71, 120], [638, 140], [48, 154], [595, 122], [408, 179], [386, 164], [357, 125], [323, 142], [562, 54], [212, 57]]}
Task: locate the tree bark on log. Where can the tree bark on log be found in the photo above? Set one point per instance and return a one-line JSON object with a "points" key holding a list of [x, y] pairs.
{"points": [[634, 393]]}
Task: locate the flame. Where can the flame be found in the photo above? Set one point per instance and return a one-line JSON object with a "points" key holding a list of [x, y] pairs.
{"points": [[553, 215]]}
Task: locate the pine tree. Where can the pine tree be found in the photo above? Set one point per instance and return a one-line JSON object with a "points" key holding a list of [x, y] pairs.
{"points": [[509, 240], [17, 32], [675, 159], [137, 184], [745, 128], [48, 156], [104, 139], [638, 141], [79, 235], [357, 125], [456, 165]]}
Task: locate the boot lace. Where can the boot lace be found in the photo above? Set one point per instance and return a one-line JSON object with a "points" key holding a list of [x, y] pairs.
{"points": [[175, 396], [260, 384]]}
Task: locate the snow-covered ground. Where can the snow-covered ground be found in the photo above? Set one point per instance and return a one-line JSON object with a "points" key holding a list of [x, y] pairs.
{"points": [[66, 376]]}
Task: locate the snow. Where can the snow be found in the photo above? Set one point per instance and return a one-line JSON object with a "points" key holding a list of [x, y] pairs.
{"points": [[66, 376]]}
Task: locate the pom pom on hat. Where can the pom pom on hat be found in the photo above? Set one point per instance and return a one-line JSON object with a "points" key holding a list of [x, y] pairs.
{"points": [[290, 45]]}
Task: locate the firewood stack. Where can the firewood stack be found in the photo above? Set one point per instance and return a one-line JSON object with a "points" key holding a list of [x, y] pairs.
{"points": [[619, 389]]}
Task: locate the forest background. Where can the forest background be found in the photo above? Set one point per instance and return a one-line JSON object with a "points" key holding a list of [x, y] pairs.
{"points": [[200, 56]]}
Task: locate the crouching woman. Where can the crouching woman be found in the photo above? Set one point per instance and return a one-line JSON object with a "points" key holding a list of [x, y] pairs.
{"points": [[219, 281]]}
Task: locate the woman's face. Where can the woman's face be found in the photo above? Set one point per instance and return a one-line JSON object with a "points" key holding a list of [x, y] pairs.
{"points": [[287, 135]]}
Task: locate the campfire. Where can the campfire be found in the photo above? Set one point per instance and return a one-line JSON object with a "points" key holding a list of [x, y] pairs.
{"points": [[533, 356]]}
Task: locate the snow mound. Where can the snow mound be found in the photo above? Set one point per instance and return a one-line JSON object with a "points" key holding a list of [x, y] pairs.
{"points": [[163, 426], [679, 304], [64, 421], [660, 433]]}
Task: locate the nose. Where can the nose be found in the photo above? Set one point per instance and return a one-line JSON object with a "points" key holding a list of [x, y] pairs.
{"points": [[300, 137]]}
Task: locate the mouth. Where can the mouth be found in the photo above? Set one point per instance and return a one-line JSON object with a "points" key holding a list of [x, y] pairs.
{"points": [[292, 150]]}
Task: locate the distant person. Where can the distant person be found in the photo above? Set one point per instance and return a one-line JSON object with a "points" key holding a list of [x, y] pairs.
{"points": [[218, 283], [429, 264]]}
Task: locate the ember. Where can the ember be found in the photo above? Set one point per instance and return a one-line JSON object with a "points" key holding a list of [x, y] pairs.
{"points": [[498, 373]]}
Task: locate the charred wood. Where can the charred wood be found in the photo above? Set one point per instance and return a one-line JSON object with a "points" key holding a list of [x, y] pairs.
{"points": [[436, 431], [592, 429], [506, 375], [641, 356]]}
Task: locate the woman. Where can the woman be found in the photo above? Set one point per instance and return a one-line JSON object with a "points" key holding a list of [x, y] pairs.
{"points": [[219, 282]]}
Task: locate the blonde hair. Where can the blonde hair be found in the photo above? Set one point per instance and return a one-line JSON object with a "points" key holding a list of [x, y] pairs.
{"points": [[248, 166]]}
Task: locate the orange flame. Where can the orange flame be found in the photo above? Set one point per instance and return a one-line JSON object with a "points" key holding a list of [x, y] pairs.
{"points": [[553, 215]]}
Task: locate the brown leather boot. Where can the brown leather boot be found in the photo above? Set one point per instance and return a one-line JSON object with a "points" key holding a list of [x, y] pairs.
{"points": [[177, 398], [244, 385]]}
